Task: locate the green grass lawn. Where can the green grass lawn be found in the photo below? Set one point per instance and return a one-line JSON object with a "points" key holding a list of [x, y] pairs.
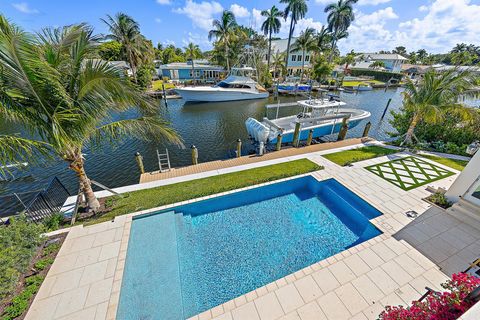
{"points": [[346, 157], [452, 163], [172, 193], [356, 83], [157, 85]]}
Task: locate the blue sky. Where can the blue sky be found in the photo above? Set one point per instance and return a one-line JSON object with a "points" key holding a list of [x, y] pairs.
{"points": [[436, 25]]}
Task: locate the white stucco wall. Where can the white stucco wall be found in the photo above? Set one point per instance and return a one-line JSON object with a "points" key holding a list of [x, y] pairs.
{"points": [[465, 180]]}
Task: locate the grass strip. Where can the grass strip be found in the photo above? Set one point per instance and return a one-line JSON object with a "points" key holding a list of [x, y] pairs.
{"points": [[452, 163], [172, 193], [347, 157]]}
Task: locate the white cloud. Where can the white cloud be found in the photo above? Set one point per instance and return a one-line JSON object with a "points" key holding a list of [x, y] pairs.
{"points": [[164, 2], [201, 13], [301, 25], [423, 8], [368, 32], [372, 2], [24, 8], [257, 18], [197, 38], [445, 23], [158, 20], [239, 11]]}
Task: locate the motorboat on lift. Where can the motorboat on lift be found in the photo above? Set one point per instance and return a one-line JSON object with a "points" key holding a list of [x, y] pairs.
{"points": [[237, 86], [293, 85], [324, 116]]}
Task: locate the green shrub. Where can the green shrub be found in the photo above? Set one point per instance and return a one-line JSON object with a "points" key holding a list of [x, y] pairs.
{"points": [[18, 244], [54, 222], [383, 76], [43, 263], [21, 302], [51, 248], [440, 200]]}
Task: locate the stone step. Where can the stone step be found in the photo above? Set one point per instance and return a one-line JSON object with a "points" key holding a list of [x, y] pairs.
{"points": [[466, 212]]}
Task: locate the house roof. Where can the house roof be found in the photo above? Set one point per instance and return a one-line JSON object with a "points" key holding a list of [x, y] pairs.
{"points": [[381, 56], [184, 65], [280, 45], [415, 67]]}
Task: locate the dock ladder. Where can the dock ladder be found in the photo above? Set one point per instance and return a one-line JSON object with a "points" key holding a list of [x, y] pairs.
{"points": [[163, 161]]}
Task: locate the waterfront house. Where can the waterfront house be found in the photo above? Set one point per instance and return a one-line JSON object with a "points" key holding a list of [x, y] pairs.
{"points": [[414, 71], [295, 58], [182, 71], [393, 62]]}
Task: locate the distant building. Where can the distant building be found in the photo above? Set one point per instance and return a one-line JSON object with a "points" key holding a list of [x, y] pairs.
{"points": [[182, 71], [443, 67], [295, 58], [414, 71], [393, 62]]}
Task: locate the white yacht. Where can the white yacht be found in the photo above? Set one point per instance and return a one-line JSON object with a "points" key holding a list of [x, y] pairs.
{"points": [[237, 86], [324, 116]]}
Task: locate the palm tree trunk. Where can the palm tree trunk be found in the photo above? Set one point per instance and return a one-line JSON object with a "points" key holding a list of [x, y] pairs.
{"points": [[269, 50], [288, 44], [77, 165], [411, 130], [331, 50], [226, 56]]}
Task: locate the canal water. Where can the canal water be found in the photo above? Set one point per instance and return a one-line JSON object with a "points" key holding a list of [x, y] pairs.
{"points": [[213, 127]]}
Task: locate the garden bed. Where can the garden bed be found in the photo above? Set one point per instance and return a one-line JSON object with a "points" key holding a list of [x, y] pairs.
{"points": [[16, 303]]}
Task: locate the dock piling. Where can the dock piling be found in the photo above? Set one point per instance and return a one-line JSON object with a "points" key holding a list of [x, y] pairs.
{"points": [[367, 129], [386, 108], [310, 137], [139, 159], [194, 154], [343, 130], [164, 95], [279, 142], [239, 148], [296, 135]]}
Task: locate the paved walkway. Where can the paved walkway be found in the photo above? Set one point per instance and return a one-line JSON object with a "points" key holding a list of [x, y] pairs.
{"points": [[229, 163], [390, 269]]}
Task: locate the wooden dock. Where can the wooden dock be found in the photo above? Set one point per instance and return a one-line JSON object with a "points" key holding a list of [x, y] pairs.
{"points": [[228, 163]]}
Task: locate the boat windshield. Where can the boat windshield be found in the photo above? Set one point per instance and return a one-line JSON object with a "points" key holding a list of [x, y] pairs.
{"points": [[224, 84]]}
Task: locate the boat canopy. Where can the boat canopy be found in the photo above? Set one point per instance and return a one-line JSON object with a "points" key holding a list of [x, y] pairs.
{"points": [[321, 103]]}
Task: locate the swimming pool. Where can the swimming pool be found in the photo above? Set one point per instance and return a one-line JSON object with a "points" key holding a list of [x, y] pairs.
{"points": [[194, 257]]}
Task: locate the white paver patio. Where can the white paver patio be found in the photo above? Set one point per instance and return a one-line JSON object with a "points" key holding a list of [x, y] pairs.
{"points": [[393, 268]]}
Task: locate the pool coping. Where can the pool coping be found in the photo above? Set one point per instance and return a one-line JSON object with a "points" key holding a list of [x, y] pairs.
{"points": [[118, 278]]}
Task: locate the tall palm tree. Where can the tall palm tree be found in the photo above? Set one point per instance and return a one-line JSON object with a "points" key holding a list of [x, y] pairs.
{"points": [[435, 95], [422, 55], [63, 100], [270, 26], [192, 51], [324, 38], [125, 30], [296, 9], [223, 31], [340, 16], [305, 42]]}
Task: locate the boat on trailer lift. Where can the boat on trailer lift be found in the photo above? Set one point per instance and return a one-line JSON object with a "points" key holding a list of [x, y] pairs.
{"points": [[324, 116]]}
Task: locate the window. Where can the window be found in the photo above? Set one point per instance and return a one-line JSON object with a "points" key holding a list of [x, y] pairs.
{"points": [[299, 57], [294, 57], [307, 58]]}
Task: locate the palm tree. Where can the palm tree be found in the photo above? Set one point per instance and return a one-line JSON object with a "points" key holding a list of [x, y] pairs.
{"points": [[422, 55], [324, 37], [63, 100], [279, 64], [125, 30], [297, 9], [271, 25], [459, 47], [377, 65], [434, 96], [340, 16], [349, 60], [192, 51], [305, 42], [224, 31]]}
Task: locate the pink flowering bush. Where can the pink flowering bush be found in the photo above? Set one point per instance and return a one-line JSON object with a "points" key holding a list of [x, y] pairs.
{"points": [[446, 305]]}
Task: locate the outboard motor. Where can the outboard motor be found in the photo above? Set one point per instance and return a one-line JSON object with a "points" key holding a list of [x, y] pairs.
{"points": [[257, 130]]}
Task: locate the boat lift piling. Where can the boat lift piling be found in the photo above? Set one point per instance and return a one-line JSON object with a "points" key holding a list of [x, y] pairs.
{"points": [[367, 129], [239, 148], [310, 137], [296, 135], [279, 142], [386, 108], [139, 159], [194, 154], [164, 95], [343, 130]]}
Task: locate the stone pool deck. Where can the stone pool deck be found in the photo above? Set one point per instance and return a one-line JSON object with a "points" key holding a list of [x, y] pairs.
{"points": [[391, 269]]}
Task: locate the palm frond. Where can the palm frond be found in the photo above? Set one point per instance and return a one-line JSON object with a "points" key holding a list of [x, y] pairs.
{"points": [[16, 150]]}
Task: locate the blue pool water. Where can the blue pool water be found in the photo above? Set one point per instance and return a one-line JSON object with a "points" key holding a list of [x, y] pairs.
{"points": [[194, 257]]}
